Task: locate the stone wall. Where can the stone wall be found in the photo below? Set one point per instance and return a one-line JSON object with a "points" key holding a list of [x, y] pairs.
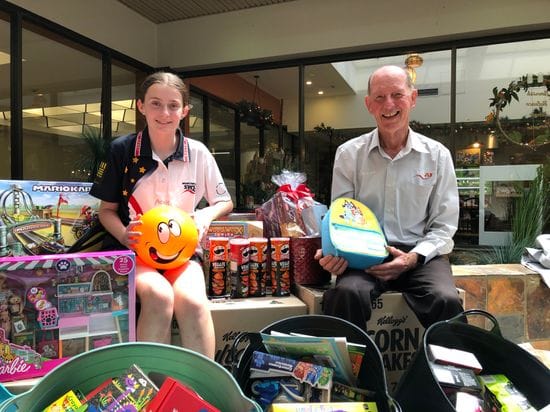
{"points": [[517, 297]]}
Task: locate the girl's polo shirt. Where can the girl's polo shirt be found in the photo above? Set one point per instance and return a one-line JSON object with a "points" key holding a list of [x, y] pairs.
{"points": [[137, 179], [181, 182]]}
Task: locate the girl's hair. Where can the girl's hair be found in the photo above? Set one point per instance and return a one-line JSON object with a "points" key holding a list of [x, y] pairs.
{"points": [[169, 79]]}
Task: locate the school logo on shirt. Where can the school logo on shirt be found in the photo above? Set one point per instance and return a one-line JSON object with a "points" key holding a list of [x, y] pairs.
{"points": [[189, 187], [221, 189]]}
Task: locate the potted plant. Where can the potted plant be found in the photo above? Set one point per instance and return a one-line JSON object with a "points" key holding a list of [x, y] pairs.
{"points": [[98, 150]]}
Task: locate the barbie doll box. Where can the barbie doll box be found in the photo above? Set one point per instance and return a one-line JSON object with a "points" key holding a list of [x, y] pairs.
{"points": [[53, 307], [44, 218]]}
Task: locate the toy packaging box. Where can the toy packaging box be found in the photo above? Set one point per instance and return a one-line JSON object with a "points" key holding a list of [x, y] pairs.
{"points": [[53, 307], [42, 218]]}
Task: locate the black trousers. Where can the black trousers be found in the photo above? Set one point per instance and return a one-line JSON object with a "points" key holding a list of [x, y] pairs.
{"points": [[429, 290]]}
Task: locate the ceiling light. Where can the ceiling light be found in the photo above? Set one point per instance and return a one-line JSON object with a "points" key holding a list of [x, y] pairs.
{"points": [[320, 92], [309, 82], [412, 62]]}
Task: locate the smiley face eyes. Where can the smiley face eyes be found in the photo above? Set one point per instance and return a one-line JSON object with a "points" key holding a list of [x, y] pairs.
{"points": [[165, 229], [175, 228]]}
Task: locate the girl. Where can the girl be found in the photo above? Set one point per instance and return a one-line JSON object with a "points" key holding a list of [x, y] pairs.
{"points": [[161, 166]]}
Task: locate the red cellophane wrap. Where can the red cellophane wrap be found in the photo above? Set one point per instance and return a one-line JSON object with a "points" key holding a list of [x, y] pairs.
{"points": [[282, 213]]}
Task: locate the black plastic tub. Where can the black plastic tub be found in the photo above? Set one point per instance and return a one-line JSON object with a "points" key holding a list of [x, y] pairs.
{"points": [[371, 374], [419, 390]]}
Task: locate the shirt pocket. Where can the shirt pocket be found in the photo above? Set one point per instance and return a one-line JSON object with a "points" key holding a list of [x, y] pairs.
{"points": [[415, 197]]}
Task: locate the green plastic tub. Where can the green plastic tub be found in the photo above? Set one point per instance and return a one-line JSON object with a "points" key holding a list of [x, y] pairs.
{"points": [[88, 370]]}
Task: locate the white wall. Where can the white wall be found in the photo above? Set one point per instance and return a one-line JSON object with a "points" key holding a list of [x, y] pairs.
{"points": [[298, 28], [312, 27], [106, 21]]}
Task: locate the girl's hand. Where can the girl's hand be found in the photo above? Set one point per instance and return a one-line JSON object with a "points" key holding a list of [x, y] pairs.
{"points": [[202, 222], [132, 235]]}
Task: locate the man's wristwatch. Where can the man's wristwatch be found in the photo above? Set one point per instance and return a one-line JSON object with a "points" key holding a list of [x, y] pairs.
{"points": [[420, 259]]}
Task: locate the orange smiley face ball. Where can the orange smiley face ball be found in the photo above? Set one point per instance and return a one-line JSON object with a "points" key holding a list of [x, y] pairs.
{"points": [[168, 237]]}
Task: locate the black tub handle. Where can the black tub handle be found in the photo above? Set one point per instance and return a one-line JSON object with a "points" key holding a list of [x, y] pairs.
{"points": [[464, 316], [235, 345]]}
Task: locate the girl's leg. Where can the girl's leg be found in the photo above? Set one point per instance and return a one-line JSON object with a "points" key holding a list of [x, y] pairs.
{"points": [[157, 305], [192, 311]]}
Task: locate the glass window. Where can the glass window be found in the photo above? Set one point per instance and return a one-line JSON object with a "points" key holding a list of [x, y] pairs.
{"points": [[493, 141], [123, 95], [259, 97], [196, 118], [221, 142], [61, 96], [267, 102], [5, 143], [517, 132], [335, 107]]}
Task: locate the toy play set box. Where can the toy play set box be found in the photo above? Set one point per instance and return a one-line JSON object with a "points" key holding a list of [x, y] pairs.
{"points": [[56, 306], [43, 218]]}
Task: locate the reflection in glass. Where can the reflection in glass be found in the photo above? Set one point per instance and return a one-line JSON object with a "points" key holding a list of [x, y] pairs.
{"points": [[221, 142], [339, 113], [195, 118], [5, 141], [55, 106]]}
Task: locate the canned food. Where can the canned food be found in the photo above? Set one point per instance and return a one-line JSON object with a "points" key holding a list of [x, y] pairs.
{"points": [[280, 266], [258, 266], [239, 267], [218, 255]]}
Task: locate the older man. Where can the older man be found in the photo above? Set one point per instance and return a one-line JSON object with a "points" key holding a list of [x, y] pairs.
{"points": [[408, 181]]}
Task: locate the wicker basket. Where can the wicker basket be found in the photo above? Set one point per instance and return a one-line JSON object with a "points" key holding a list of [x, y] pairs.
{"points": [[303, 266]]}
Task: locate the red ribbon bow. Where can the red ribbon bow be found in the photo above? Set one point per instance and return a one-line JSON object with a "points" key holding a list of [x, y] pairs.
{"points": [[300, 192]]}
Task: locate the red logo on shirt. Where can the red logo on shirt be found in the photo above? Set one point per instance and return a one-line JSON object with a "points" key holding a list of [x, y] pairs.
{"points": [[425, 176]]}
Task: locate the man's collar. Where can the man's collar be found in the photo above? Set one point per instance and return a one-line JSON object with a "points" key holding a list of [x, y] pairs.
{"points": [[413, 142]]}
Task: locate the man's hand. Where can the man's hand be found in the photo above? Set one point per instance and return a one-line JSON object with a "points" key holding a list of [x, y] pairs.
{"points": [[401, 263], [334, 264]]}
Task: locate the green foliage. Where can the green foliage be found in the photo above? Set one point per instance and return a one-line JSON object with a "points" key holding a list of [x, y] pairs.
{"points": [[528, 221], [98, 150]]}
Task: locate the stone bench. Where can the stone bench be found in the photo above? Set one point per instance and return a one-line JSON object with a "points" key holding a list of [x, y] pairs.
{"points": [[514, 294]]}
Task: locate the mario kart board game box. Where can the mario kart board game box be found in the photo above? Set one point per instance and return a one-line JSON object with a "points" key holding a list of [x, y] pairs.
{"points": [[44, 218], [53, 307]]}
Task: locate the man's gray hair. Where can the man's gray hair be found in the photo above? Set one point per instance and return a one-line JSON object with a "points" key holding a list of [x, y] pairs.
{"points": [[410, 84]]}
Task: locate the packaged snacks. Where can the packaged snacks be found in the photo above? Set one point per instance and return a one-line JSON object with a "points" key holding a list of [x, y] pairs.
{"points": [[280, 266], [239, 267], [258, 266], [217, 273]]}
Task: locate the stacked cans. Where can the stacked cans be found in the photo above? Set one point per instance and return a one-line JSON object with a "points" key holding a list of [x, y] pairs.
{"points": [[280, 266], [239, 267], [217, 274], [258, 266], [242, 268]]}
